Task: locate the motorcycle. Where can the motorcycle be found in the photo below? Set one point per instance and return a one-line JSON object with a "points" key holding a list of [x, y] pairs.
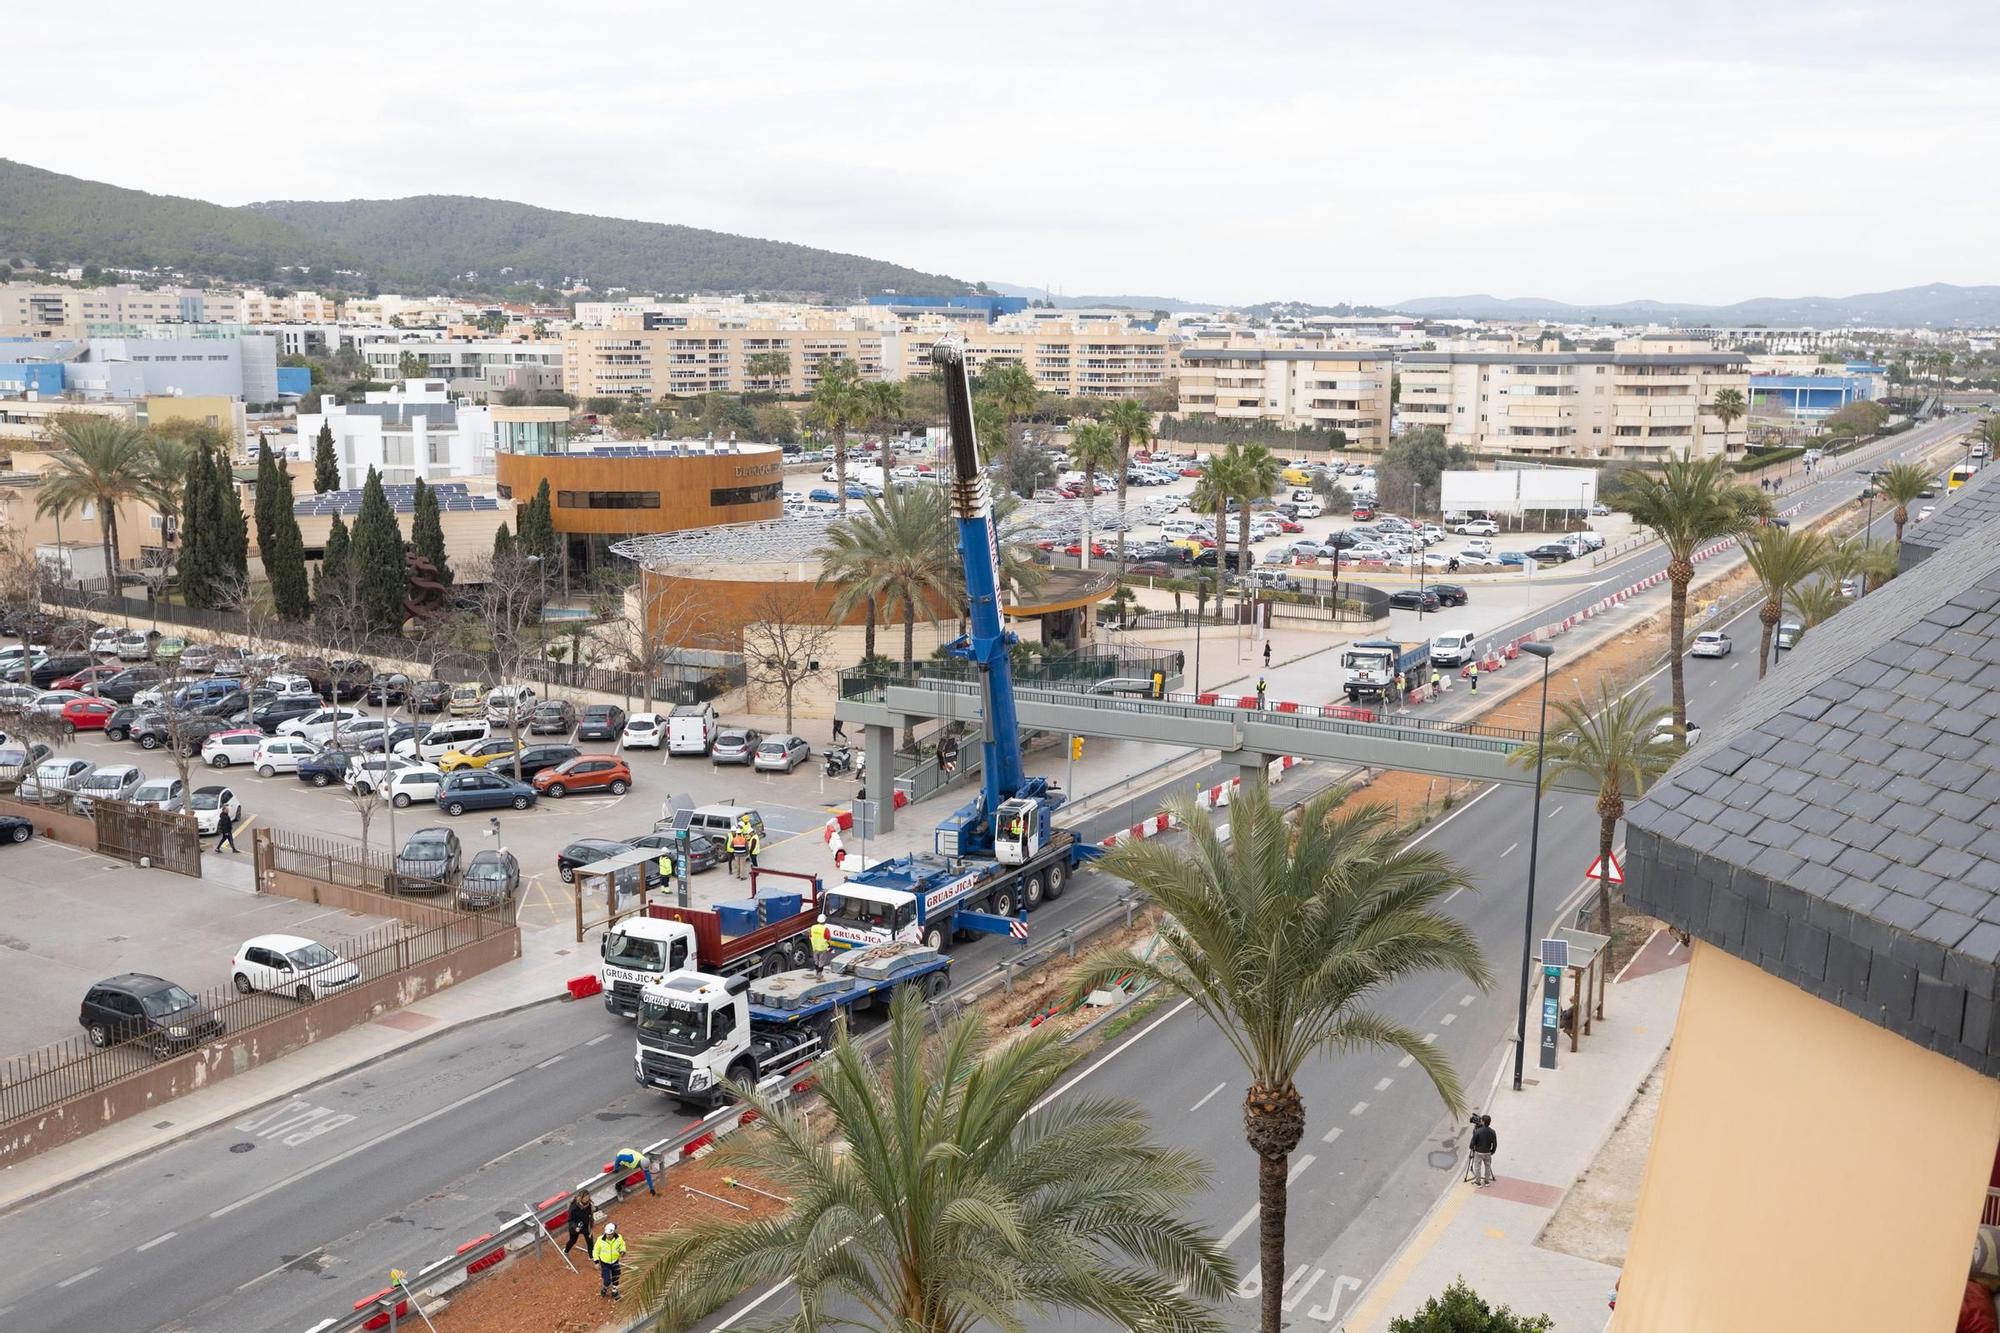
{"points": [[845, 759]]}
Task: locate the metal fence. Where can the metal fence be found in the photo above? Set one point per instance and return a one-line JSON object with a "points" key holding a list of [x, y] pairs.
{"points": [[37, 1080], [1056, 669], [340, 861], [140, 834]]}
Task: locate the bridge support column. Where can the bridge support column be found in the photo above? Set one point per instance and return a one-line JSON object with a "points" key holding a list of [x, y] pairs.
{"points": [[1253, 769], [880, 744]]}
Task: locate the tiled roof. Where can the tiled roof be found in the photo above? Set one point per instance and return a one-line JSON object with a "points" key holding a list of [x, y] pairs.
{"points": [[1960, 512], [1840, 827]]}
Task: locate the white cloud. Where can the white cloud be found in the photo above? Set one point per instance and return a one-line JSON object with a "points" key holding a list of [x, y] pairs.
{"points": [[1233, 152]]}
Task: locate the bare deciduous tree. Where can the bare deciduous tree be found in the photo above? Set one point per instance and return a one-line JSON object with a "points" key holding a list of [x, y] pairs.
{"points": [[783, 640]]}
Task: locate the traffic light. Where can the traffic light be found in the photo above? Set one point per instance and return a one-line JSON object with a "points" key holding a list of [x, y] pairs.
{"points": [[1076, 747]]}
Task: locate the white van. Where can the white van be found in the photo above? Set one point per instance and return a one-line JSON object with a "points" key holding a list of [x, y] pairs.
{"points": [[440, 738], [1452, 650], [1180, 529], [691, 729]]}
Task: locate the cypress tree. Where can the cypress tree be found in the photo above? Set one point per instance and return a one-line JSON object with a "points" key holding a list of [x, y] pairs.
{"points": [[267, 497], [232, 532], [199, 562], [427, 531], [326, 473], [285, 552], [537, 522], [333, 560], [377, 554], [503, 543]]}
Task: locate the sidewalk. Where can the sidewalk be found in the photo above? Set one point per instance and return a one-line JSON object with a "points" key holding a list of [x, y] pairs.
{"points": [[1550, 1132], [549, 958]]}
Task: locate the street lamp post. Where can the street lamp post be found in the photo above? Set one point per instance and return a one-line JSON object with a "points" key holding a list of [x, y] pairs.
{"points": [[1543, 651]]}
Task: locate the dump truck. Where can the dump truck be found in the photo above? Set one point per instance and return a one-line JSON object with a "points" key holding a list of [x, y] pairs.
{"points": [[763, 934], [1369, 667]]}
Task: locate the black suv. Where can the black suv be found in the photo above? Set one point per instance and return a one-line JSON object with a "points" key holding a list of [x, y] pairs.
{"points": [[533, 759], [267, 716], [327, 767], [600, 722], [135, 1006], [120, 688], [1409, 599], [1449, 594], [1555, 551], [552, 717], [157, 731], [586, 851], [388, 688], [45, 676]]}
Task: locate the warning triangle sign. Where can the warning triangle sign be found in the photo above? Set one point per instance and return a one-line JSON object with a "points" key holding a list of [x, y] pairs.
{"points": [[1596, 870]]}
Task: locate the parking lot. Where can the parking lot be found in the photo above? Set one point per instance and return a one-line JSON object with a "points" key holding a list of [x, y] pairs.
{"points": [[791, 804], [74, 918]]}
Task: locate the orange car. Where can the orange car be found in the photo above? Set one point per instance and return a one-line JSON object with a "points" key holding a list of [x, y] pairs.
{"points": [[586, 772]]}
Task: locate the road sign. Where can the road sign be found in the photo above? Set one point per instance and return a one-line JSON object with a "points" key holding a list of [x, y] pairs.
{"points": [[865, 815], [1596, 870]]}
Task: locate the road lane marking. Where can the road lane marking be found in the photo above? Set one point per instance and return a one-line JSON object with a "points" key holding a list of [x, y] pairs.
{"points": [[1406, 1062], [1382, 1084], [157, 1240], [1230, 1236], [75, 1278], [1510, 849], [1111, 1055], [1204, 1101], [1305, 1160], [1553, 813], [1448, 1020], [357, 1149], [1330, 1135], [606, 1036], [554, 1059], [1430, 1038], [1359, 1107], [1464, 1000]]}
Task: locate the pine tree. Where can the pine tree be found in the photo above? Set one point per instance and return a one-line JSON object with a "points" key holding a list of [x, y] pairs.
{"points": [[232, 533], [332, 561], [285, 553], [427, 531], [380, 576], [199, 563], [503, 543], [326, 473], [267, 497], [537, 523]]}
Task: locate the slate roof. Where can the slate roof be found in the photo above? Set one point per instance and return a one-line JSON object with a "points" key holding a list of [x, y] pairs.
{"points": [[1960, 512], [1840, 827]]}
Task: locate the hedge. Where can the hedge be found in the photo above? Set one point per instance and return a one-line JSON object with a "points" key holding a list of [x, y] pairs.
{"points": [[1758, 462]]}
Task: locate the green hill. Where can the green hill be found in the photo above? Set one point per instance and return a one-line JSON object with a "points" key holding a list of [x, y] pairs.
{"points": [[430, 242]]}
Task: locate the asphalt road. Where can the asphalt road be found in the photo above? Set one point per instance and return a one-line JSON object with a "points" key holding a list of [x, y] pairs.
{"points": [[292, 1213]]}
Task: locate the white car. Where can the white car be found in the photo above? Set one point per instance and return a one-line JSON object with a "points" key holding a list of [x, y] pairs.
{"points": [[53, 777], [1663, 732], [166, 794], [49, 703], [1926, 512], [408, 785], [1477, 527], [319, 726], [209, 803], [510, 706], [134, 645], [282, 754], [291, 965], [1711, 643], [232, 747], [644, 731], [104, 642], [365, 771]]}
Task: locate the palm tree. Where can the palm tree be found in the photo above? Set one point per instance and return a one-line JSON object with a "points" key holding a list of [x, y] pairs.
{"points": [[1093, 448], [1281, 936], [941, 1200], [1815, 604], [1258, 473], [1782, 560], [836, 403], [1902, 483], [1989, 432], [899, 550], [881, 402], [1729, 409], [1220, 482], [165, 485], [1692, 501], [1859, 558], [1613, 745], [95, 460], [1133, 424], [769, 367], [1012, 389]]}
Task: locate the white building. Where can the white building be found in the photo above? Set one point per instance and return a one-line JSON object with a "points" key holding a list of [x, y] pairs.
{"points": [[213, 363], [413, 430], [474, 366]]}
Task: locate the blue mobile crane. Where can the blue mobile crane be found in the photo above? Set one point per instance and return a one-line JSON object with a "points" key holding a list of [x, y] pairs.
{"points": [[1001, 854]]}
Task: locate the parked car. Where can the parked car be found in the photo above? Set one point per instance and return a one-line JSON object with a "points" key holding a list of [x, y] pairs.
{"points": [[126, 685], [387, 688], [1711, 643], [86, 714], [118, 727], [1552, 551], [290, 965], [51, 671], [438, 739], [533, 760], [468, 699], [366, 770], [282, 754], [209, 803], [600, 722], [1477, 527], [183, 731], [325, 767], [735, 745], [510, 705], [135, 1006], [781, 754], [322, 724], [1450, 594], [108, 782], [197, 657], [167, 650], [104, 642], [429, 854], [704, 852], [238, 745], [135, 645], [643, 731], [585, 772], [430, 696], [54, 778], [1409, 599], [491, 878], [89, 679], [586, 851], [270, 718], [476, 755], [165, 794], [16, 828], [417, 782], [383, 739], [20, 758], [552, 717], [474, 790]]}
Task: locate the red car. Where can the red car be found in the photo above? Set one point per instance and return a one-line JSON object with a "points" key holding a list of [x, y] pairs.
{"points": [[1191, 471], [1362, 513], [585, 772], [86, 714], [87, 679], [1098, 550], [1288, 525]]}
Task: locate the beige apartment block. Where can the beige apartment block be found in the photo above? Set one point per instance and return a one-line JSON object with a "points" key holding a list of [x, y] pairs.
{"points": [[1347, 389], [29, 310], [1645, 399], [1088, 359], [632, 361]]}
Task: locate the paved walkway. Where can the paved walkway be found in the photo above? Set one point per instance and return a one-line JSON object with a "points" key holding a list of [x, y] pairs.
{"points": [[1549, 1132]]}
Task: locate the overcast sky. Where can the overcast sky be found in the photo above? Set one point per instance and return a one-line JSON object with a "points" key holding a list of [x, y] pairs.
{"points": [[1230, 152]]}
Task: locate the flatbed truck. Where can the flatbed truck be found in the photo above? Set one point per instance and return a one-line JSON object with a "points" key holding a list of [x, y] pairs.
{"points": [[698, 1032], [763, 936]]}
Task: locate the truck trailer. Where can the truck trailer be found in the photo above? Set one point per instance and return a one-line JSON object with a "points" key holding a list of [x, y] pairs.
{"points": [[762, 935]]}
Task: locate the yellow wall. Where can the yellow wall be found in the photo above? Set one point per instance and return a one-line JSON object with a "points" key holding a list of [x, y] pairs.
{"points": [[1809, 1170], [225, 413]]}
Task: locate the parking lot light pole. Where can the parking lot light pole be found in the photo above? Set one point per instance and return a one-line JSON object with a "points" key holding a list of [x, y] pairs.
{"points": [[1545, 652]]}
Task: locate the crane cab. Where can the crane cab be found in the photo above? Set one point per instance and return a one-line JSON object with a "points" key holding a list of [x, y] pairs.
{"points": [[1018, 831]]}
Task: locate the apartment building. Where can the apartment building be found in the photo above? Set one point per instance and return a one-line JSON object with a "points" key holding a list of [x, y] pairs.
{"points": [[476, 367], [1347, 388], [412, 430], [1646, 398], [1078, 359], [705, 356], [29, 310], [253, 306]]}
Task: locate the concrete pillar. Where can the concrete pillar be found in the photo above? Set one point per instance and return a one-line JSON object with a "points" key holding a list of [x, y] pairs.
{"points": [[1253, 769], [880, 781]]}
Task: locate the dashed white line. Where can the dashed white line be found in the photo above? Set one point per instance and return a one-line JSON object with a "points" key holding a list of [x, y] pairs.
{"points": [[1305, 1160], [1406, 1062], [1242, 1225], [1510, 849], [1382, 1084], [1359, 1107], [1430, 1038], [554, 1059], [1448, 1020], [75, 1278], [1204, 1100], [1464, 1000], [605, 1036], [1553, 813], [157, 1240], [1330, 1135]]}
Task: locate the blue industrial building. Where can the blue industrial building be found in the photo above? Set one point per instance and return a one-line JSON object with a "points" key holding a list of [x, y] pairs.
{"points": [[294, 381], [993, 306], [1812, 395], [38, 377]]}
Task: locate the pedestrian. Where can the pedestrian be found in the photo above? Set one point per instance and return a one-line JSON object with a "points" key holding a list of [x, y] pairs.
{"points": [[1260, 693], [739, 848], [582, 1220], [821, 945], [1452, 568], [1180, 661], [629, 1160], [1402, 686], [1482, 1146], [1472, 675], [756, 846], [1267, 654], [839, 732], [609, 1254], [225, 830]]}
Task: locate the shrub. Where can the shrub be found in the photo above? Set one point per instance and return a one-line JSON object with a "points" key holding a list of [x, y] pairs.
{"points": [[1460, 1310]]}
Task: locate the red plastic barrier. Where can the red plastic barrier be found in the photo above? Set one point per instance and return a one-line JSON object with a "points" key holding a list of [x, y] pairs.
{"points": [[1513, 651], [1205, 698], [484, 1261], [583, 987], [902, 798], [1246, 701], [694, 1146], [382, 1320], [1288, 707]]}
